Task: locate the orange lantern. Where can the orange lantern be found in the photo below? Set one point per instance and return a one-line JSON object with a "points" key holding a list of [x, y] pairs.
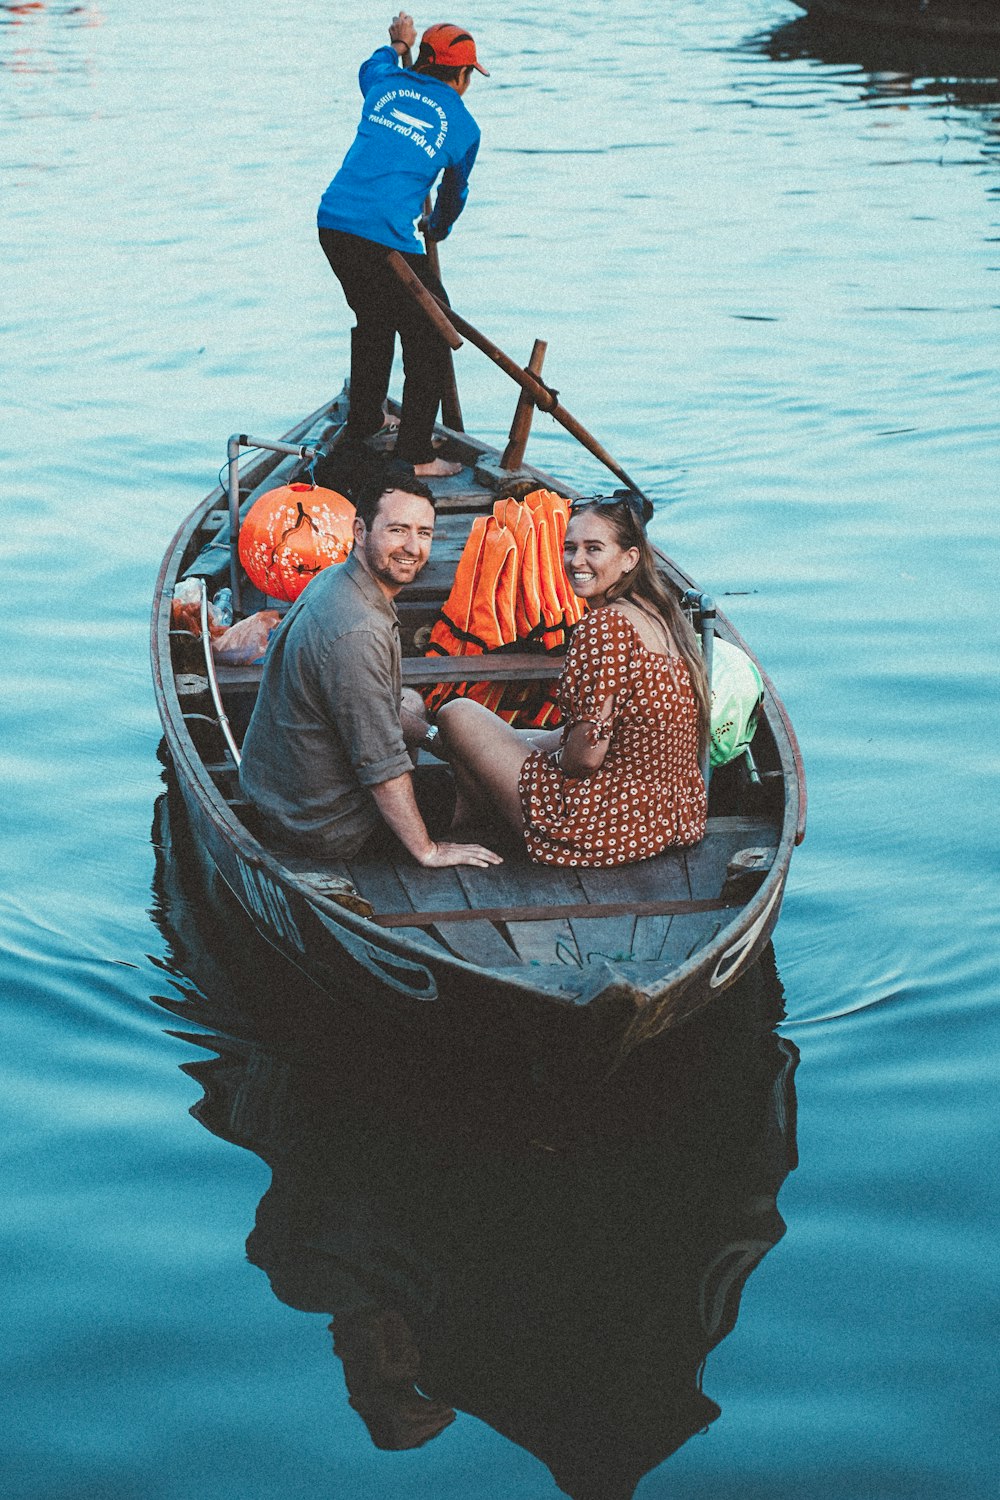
{"points": [[291, 534]]}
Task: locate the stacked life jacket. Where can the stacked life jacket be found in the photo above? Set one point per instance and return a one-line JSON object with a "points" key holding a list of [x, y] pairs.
{"points": [[510, 590]]}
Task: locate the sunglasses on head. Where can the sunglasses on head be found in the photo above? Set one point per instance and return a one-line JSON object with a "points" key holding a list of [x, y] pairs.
{"points": [[639, 507]]}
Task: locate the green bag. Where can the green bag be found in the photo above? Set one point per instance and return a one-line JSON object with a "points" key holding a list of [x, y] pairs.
{"points": [[737, 698]]}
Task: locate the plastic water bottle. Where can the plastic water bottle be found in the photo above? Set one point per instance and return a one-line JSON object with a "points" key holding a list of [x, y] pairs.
{"points": [[222, 609]]}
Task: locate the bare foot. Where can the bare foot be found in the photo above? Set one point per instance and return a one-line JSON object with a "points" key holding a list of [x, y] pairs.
{"points": [[437, 468]]}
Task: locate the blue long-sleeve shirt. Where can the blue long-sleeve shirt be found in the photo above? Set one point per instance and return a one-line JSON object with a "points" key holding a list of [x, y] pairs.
{"points": [[412, 129]]}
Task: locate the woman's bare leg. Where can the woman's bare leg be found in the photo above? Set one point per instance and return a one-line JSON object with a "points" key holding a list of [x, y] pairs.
{"points": [[486, 756]]}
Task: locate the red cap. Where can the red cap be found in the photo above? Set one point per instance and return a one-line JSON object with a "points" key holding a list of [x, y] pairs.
{"points": [[449, 47]]}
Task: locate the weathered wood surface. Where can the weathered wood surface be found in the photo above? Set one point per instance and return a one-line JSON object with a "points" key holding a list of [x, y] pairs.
{"points": [[602, 911], [496, 666], [539, 914]]}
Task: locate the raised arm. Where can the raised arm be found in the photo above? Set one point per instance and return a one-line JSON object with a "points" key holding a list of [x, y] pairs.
{"points": [[402, 35]]}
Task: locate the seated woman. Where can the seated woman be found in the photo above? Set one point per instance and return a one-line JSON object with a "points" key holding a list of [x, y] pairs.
{"points": [[621, 780]]}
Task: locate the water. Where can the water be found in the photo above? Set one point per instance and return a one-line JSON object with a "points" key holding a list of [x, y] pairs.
{"points": [[767, 267]]}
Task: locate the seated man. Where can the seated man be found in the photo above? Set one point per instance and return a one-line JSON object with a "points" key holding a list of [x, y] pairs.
{"points": [[326, 757]]}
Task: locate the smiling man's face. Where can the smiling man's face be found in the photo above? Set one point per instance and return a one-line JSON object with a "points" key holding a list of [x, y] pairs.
{"points": [[398, 544]]}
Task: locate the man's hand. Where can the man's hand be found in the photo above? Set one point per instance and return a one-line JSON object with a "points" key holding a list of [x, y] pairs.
{"points": [[402, 31], [398, 806], [442, 856]]}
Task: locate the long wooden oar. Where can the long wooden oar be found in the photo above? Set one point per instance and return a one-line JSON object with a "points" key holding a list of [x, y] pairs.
{"points": [[451, 407], [544, 397]]}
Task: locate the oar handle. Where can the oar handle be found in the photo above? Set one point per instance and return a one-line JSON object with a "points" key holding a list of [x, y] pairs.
{"points": [[435, 309], [544, 397]]}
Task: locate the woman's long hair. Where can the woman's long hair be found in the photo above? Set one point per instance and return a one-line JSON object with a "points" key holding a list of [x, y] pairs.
{"points": [[645, 583]]}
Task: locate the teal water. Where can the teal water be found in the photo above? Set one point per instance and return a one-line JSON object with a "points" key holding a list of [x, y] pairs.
{"points": [[767, 263]]}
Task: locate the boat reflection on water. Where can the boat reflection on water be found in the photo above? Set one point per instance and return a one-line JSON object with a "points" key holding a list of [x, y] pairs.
{"points": [[559, 1270], [900, 64]]}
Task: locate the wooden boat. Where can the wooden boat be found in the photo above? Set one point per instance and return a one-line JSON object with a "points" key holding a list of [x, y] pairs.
{"points": [[948, 20], [589, 962]]}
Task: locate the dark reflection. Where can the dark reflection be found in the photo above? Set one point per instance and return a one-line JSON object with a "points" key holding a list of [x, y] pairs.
{"points": [[23, 12], [558, 1265], [32, 29], [897, 64]]}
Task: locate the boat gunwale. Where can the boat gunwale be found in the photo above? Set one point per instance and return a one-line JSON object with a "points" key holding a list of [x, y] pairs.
{"points": [[913, 23]]}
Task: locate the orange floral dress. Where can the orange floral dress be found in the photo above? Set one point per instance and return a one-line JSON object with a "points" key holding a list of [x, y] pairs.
{"points": [[649, 792]]}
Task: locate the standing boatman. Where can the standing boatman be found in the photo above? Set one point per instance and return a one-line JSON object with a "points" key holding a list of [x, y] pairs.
{"points": [[414, 125]]}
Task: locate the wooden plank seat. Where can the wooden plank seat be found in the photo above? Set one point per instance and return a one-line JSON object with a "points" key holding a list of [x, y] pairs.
{"points": [[586, 910], [495, 666]]}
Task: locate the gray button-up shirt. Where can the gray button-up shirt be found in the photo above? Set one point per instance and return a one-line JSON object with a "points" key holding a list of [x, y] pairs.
{"points": [[326, 723]]}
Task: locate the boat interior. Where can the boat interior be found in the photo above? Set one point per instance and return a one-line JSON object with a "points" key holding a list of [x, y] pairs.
{"points": [[655, 913]]}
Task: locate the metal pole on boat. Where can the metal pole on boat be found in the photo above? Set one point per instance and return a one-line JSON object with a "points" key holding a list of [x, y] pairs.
{"points": [[706, 621], [213, 682], [233, 455]]}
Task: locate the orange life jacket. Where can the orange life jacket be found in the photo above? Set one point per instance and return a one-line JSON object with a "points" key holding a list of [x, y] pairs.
{"points": [[451, 634], [509, 588]]}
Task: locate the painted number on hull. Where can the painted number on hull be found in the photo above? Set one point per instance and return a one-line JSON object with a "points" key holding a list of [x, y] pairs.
{"points": [[269, 903]]}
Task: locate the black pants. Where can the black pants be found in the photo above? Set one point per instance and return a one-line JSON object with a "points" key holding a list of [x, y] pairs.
{"points": [[383, 307]]}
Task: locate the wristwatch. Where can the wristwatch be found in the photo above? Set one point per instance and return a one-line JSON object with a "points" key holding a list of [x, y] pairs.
{"points": [[430, 740]]}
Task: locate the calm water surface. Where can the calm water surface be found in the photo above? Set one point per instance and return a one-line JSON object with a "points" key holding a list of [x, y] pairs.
{"points": [[767, 263]]}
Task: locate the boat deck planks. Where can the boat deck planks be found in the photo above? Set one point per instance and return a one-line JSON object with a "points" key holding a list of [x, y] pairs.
{"points": [[479, 943], [516, 884], [378, 881], [708, 861], [603, 937], [664, 878], [688, 932], [519, 912], [545, 942]]}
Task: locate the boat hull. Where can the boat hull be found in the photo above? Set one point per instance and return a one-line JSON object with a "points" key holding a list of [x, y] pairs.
{"points": [[410, 991], [947, 20], [594, 1009]]}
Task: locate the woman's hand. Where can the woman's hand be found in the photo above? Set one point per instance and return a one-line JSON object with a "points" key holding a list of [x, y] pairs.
{"points": [[443, 856]]}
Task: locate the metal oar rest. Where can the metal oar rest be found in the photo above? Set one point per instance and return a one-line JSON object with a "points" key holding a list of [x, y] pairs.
{"points": [[702, 612]]}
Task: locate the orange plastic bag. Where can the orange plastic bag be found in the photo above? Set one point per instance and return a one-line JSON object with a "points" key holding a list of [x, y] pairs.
{"points": [[246, 641]]}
